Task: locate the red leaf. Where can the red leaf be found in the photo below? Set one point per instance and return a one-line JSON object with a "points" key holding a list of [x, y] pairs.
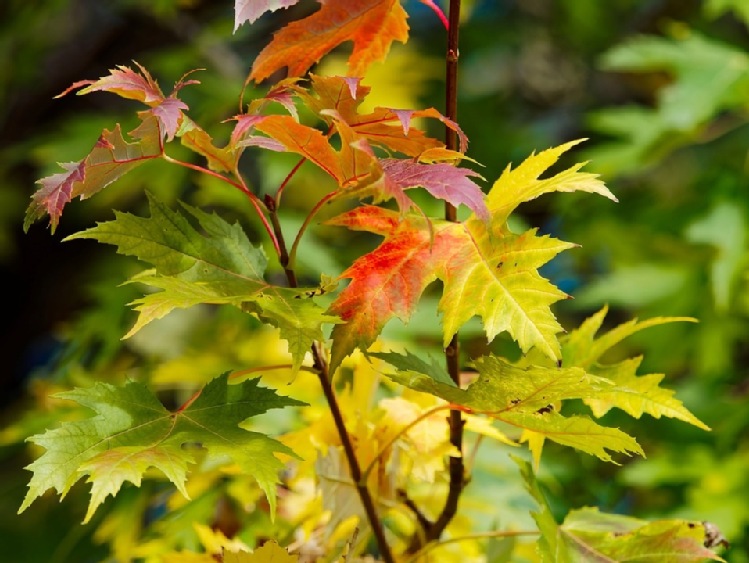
{"points": [[443, 181], [372, 25], [124, 82], [385, 283], [110, 158], [127, 83], [169, 114]]}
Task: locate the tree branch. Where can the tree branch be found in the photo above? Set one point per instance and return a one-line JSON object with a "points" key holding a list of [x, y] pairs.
{"points": [[433, 530]]}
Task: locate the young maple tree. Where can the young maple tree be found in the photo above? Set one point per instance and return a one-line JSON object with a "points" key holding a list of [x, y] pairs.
{"points": [[371, 470]]}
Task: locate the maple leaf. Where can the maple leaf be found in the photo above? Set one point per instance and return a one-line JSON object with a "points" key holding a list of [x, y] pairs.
{"points": [[127, 83], [638, 394], [303, 140], [337, 99], [269, 552], [220, 267], [582, 348], [372, 25], [589, 536], [132, 432], [443, 181], [522, 184], [487, 270], [631, 393], [109, 159], [490, 276], [413, 364], [251, 10], [384, 283], [525, 398]]}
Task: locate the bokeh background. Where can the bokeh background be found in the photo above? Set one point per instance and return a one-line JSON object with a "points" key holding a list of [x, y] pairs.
{"points": [[660, 90]]}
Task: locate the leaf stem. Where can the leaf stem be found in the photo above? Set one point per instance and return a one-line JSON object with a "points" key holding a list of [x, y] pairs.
{"points": [[307, 220], [285, 182], [256, 203]]}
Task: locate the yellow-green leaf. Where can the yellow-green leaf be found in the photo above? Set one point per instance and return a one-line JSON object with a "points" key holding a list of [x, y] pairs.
{"points": [[132, 432]]}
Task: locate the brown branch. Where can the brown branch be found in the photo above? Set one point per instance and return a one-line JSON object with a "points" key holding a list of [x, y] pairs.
{"points": [[356, 473], [433, 530]]}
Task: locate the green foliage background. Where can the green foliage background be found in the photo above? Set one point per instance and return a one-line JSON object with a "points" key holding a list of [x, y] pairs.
{"points": [[661, 90]]}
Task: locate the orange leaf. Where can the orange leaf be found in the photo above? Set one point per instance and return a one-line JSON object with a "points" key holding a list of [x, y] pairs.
{"points": [[372, 25], [303, 140], [384, 283]]}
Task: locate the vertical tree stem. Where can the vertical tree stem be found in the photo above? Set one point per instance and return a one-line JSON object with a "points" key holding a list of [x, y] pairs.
{"points": [[452, 353]]}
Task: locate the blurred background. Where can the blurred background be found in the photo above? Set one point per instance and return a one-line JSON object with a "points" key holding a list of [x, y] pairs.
{"points": [[659, 88]]}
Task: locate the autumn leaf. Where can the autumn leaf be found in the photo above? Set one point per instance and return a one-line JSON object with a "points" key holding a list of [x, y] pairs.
{"points": [[269, 552], [110, 158], [638, 394], [141, 86], [337, 99], [304, 140], [372, 25], [632, 393], [493, 277], [516, 186], [192, 136], [124, 82], [622, 538], [132, 431], [219, 267], [486, 270], [384, 283], [444, 181]]}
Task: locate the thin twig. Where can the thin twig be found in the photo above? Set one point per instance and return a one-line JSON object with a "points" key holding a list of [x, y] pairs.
{"points": [[256, 203], [321, 367]]}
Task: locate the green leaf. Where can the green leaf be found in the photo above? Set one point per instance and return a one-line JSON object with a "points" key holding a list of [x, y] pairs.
{"points": [[218, 267], [636, 395], [695, 60], [724, 228], [597, 536], [581, 348], [525, 398], [684, 108], [715, 8], [411, 364], [133, 432], [589, 536]]}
